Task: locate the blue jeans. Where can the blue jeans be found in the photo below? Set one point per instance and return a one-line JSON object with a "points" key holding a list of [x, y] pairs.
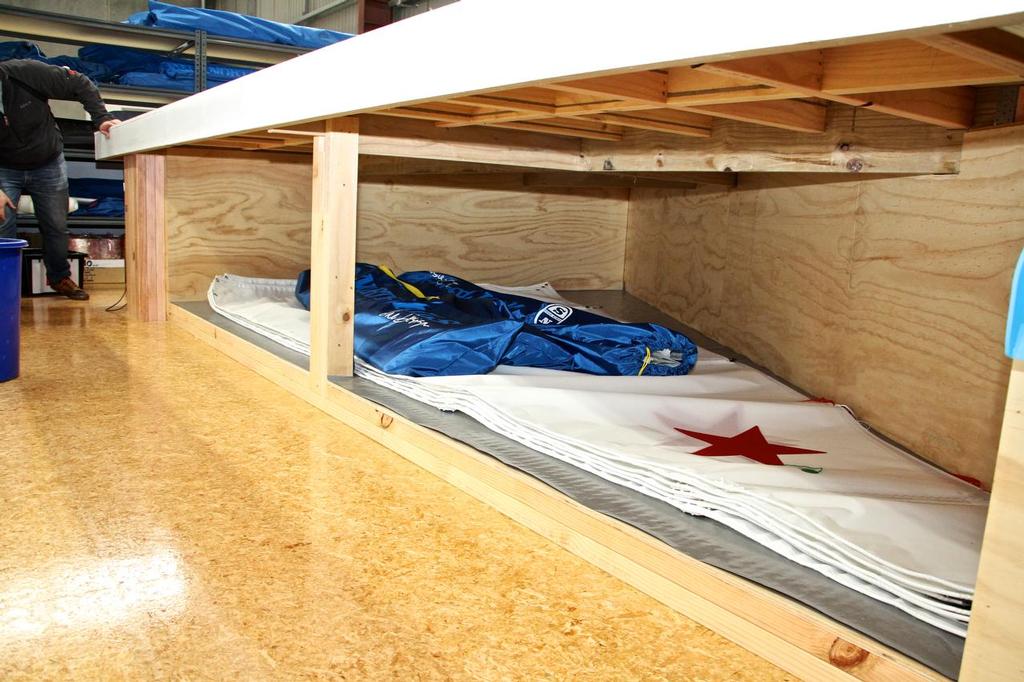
{"points": [[48, 187]]}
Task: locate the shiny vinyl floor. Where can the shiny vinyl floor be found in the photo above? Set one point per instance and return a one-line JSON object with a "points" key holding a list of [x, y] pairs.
{"points": [[166, 513]]}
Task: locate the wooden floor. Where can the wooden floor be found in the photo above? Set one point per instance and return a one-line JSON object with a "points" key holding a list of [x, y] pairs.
{"points": [[166, 513]]}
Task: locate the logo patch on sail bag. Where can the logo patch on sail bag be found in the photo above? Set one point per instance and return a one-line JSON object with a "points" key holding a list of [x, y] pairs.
{"points": [[552, 314]]}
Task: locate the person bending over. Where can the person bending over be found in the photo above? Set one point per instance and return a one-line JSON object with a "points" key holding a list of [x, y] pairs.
{"points": [[32, 155]]}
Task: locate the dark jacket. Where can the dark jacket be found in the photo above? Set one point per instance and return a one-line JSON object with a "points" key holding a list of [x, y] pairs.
{"points": [[29, 137]]}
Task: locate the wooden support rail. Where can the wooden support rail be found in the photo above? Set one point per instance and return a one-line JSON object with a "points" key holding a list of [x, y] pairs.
{"points": [[333, 253], [145, 244]]}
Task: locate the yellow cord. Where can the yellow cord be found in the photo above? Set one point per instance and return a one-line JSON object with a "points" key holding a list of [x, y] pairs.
{"points": [[647, 361], [415, 292]]}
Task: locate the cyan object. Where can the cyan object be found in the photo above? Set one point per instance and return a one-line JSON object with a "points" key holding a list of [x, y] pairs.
{"points": [[1015, 317]]}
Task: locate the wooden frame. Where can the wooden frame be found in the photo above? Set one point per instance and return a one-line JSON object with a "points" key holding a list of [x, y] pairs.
{"points": [[145, 245], [887, 94], [636, 71], [794, 637], [333, 255]]}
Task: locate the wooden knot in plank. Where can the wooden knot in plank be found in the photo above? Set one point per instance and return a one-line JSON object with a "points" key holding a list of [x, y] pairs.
{"points": [[384, 420], [845, 655]]}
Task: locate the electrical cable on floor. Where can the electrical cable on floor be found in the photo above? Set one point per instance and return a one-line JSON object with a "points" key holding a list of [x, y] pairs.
{"points": [[117, 305]]}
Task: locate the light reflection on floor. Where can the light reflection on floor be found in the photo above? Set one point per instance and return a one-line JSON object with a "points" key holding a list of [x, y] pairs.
{"points": [[92, 593], [167, 513]]}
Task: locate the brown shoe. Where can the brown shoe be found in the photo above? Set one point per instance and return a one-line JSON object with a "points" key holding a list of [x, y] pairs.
{"points": [[67, 287]]}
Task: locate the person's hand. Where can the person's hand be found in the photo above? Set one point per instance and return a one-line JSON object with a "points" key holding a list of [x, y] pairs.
{"points": [[5, 201], [107, 125]]}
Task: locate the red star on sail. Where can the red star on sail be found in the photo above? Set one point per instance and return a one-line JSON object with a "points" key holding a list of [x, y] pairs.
{"points": [[750, 444]]}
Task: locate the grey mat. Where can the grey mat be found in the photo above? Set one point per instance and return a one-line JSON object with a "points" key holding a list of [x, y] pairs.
{"points": [[702, 539], [203, 310]]}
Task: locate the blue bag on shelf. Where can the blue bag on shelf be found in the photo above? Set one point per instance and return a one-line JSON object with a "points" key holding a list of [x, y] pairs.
{"points": [[138, 68], [20, 49], [233, 25], [432, 324], [108, 193]]}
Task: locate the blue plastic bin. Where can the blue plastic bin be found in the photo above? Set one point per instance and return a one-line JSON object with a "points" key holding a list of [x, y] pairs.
{"points": [[10, 306]]}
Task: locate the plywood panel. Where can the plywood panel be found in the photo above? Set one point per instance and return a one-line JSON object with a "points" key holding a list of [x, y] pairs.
{"points": [[574, 238], [888, 295], [235, 212], [694, 249], [250, 214], [930, 280], [797, 279]]}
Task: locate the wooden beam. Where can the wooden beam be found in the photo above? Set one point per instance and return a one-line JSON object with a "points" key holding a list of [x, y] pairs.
{"points": [[503, 103], [579, 108], [947, 107], [495, 117], [664, 120], [427, 114], [567, 130], [599, 180], [646, 86], [496, 180], [807, 73], [145, 238], [854, 141], [800, 72], [600, 106], [995, 637], [281, 144], [394, 165], [384, 136], [333, 253], [706, 178], [785, 114], [508, 109], [689, 86], [382, 169], [902, 65], [534, 179], [229, 143], [992, 46]]}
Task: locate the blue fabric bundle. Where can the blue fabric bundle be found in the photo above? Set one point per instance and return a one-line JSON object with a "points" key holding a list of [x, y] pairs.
{"points": [[107, 207], [139, 68], [233, 25], [109, 195], [432, 324], [184, 70], [98, 73], [122, 59], [23, 49], [20, 49], [127, 66]]}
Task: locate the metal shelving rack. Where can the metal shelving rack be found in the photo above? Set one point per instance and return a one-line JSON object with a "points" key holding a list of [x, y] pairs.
{"points": [[37, 25], [30, 24], [61, 28]]}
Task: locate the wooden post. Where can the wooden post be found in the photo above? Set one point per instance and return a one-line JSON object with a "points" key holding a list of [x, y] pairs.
{"points": [[145, 240], [333, 252], [995, 638]]}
